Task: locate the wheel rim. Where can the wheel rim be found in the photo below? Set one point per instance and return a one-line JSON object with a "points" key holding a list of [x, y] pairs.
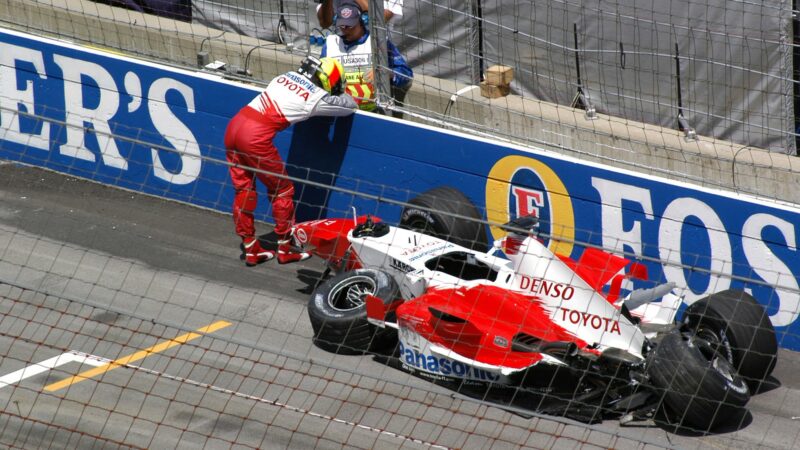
{"points": [[716, 339], [723, 368], [714, 349], [349, 293]]}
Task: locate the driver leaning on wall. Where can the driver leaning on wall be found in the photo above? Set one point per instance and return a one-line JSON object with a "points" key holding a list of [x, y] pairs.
{"points": [[351, 45], [315, 89]]}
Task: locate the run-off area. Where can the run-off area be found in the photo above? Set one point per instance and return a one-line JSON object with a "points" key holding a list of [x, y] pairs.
{"points": [[78, 375], [94, 282]]}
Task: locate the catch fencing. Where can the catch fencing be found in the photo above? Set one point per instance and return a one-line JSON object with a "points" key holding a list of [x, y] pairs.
{"points": [[111, 342], [717, 68]]}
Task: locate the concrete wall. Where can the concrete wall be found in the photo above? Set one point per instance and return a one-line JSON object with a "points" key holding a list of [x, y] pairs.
{"points": [[622, 143]]}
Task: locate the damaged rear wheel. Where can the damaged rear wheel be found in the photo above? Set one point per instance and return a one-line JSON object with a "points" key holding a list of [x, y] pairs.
{"points": [[695, 383], [735, 322]]}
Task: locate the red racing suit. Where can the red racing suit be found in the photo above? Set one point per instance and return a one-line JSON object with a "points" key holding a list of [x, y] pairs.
{"points": [[288, 99]]}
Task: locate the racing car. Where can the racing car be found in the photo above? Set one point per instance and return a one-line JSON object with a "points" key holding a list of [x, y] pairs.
{"points": [[531, 326]]}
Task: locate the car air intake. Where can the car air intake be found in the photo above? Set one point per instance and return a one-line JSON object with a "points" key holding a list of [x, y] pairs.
{"points": [[526, 343]]}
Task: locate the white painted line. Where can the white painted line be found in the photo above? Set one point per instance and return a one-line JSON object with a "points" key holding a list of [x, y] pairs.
{"points": [[97, 361], [141, 354], [49, 364], [297, 409]]}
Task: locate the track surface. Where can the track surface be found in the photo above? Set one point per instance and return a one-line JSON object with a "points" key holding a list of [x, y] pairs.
{"points": [[97, 275]]}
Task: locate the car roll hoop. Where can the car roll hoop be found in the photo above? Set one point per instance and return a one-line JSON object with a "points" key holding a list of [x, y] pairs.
{"points": [[529, 225], [518, 230]]}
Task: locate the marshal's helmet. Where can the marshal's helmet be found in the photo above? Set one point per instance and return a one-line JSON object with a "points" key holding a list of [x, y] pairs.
{"points": [[326, 73]]}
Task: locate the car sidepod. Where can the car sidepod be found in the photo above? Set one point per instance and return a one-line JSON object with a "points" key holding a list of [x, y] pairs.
{"points": [[470, 333]]}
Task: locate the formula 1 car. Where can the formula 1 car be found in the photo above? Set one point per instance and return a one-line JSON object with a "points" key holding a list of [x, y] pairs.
{"points": [[552, 332]]}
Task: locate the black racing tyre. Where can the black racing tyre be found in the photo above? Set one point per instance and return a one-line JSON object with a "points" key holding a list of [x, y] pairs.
{"points": [[338, 312], [736, 322], [696, 385], [433, 211]]}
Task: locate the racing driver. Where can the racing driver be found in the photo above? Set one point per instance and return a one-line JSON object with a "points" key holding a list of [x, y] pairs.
{"points": [[315, 89]]}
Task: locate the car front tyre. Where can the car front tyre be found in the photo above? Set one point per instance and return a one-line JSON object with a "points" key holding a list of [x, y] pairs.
{"points": [[338, 314]]}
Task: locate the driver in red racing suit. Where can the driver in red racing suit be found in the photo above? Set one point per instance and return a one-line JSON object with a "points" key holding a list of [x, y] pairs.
{"points": [[315, 89]]}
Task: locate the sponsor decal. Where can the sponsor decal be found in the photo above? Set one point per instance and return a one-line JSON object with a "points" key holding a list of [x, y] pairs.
{"points": [[302, 81], [400, 265], [585, 319], [301, 236], [500, 341], [431, 251], [676, 226], [414, 359], [546, 288], [519, 186], [528, 201], [292, 86], [92, 99], [416, 248]]}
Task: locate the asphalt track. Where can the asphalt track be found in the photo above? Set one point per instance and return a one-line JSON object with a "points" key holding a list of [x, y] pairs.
{"points": [[129, 321]]}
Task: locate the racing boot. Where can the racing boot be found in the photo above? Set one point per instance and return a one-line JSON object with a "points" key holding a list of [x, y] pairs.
{"points": [[287, 253], [254, 254]]}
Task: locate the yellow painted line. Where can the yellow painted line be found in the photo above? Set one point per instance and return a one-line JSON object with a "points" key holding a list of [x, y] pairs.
{"points": [[160, 347]]}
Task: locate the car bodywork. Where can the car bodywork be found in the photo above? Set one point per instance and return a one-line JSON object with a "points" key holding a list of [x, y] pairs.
{"points": [[517, 316]]}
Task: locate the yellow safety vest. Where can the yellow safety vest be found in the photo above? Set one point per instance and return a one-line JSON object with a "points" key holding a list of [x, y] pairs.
{"points": [[357, 61]]}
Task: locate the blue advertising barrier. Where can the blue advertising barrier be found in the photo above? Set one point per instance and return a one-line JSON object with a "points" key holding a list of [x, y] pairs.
{"points": [[159, 130]]}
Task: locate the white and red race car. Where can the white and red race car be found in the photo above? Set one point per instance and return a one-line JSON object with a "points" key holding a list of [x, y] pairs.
{"points": [[535, 327]]}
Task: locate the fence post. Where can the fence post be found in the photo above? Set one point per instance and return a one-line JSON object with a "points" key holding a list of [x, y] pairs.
{"points": [[380, 57], [476, 41]]}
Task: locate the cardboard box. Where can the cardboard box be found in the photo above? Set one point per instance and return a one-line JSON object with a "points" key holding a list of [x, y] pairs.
{"points": [[492, 91], [499, 75]]}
